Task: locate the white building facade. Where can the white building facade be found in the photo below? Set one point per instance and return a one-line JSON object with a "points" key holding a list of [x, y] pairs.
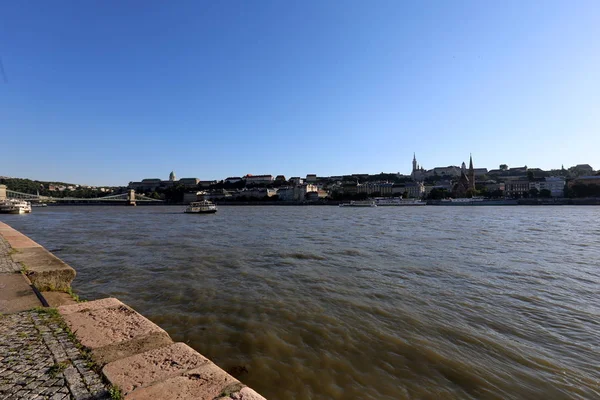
{"points": [[555, 184]]}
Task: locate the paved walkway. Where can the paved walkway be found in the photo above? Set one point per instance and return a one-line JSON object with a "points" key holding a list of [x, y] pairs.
{"points": [[16, 293], [7, 265], [38, 358]]}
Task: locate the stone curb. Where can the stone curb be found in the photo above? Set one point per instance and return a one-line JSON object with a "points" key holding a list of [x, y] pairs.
{"points": [[45, 271], [112, 330], [159, 364], [141, 359]]}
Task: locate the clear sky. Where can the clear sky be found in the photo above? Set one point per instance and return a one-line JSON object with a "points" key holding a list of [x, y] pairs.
{"points": [[107, 92]]}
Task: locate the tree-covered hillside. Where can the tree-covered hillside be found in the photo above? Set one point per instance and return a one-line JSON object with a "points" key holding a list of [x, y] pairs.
{"points": [[43, 188]]}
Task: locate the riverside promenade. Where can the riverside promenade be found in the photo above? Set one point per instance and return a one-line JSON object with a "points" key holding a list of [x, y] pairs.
{"points": [[53, 347]]}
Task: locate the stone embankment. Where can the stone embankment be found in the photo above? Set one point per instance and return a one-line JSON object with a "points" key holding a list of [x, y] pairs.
{"points": [[63, 352]]}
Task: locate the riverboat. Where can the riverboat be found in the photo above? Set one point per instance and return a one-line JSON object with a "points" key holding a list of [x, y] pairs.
{"points": [[473, 202], [382, 202], [201, 207], [463, 201], [366, 203], [466, 200], [14, 206]]}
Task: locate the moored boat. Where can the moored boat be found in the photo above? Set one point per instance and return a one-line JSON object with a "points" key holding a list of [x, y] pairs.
{"points": [[398, 202], [362, 203], [462, 201], [201, 207], [14, 206]]}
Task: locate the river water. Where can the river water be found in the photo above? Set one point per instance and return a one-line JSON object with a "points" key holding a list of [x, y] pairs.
{"points": [[356, 303]]}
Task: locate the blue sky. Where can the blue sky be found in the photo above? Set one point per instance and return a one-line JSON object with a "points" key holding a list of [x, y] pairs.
{"points": [[106, 92]]}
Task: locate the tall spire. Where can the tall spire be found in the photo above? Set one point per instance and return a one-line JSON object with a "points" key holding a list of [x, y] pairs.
{"points": [[471, 172], [415, 165]]}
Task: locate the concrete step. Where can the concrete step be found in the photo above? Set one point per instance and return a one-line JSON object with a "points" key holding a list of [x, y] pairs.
{"points": [[46, 271], [112, 330], [16, 294], [141, 359]]}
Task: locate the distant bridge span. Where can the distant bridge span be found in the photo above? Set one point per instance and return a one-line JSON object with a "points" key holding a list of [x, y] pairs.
{"points": [[127, 198]]}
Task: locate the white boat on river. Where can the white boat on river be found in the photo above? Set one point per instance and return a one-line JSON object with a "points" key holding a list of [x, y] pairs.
{"points": [[365, 203], [14, 206], [386, 201], [201, 207]]}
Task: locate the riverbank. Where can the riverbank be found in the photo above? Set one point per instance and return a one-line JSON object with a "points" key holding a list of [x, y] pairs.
{"points": [[135, 357], [501, 202]]}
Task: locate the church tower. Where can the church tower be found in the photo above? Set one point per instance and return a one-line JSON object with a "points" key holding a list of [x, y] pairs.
{"points": [[463, 184], [471, 173], [414, 163]]}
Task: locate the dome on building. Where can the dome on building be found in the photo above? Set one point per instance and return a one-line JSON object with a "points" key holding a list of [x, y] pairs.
{"points": [[172, 177]]}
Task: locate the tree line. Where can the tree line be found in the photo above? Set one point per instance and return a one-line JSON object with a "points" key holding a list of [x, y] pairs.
{"points": [[43, 188]]}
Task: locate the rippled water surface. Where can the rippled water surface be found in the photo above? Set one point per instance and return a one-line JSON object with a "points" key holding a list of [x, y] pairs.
{"points": [[351, 303]]}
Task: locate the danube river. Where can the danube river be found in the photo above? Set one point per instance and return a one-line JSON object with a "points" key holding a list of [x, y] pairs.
{"points": [[351, 303]]}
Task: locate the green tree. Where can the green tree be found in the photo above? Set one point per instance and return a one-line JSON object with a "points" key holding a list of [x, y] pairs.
{"points": [[232, 186], [174, 194], [583, 190], [432, 179], [533, 192], [437, 194], [545, 193], [497, 194]]}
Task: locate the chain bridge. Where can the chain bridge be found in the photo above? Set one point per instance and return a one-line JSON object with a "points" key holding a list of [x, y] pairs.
{"points": [[130, 198]]}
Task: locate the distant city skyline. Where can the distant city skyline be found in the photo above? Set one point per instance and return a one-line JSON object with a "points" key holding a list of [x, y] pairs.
{"points": [[173, 175], [105, 93]]}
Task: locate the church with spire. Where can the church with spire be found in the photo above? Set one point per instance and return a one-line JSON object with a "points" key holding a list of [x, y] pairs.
{"points": [[466, 182], [418, 171]]}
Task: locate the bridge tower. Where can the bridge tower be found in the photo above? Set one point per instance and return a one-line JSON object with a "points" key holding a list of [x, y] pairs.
{"points": [[131, 198], [2, 192]]}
